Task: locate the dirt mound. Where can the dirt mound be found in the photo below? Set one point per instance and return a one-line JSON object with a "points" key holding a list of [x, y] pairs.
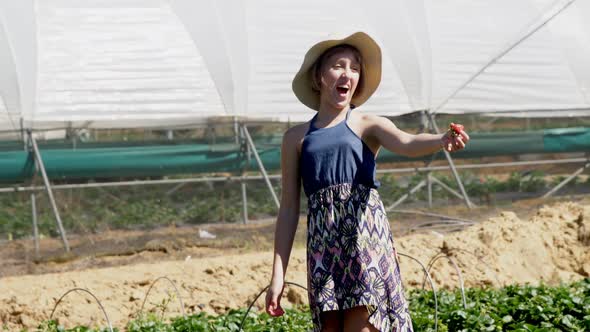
{"points": [[552, 246]]}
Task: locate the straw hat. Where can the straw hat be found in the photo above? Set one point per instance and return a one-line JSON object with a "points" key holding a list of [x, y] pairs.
{"points": [[370, 75]]}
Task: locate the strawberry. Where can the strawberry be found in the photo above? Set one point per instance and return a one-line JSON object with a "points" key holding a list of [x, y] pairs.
{"points": [[456, 129]]}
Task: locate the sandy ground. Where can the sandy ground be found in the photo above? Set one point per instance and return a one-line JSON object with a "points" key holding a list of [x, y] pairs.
{"points": [[551, 245]]}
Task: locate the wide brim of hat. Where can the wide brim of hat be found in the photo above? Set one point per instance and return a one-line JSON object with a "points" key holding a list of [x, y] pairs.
{"points": [[371, 73]]}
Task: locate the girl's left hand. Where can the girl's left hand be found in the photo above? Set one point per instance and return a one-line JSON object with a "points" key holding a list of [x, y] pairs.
{"points": [[455, 138]]}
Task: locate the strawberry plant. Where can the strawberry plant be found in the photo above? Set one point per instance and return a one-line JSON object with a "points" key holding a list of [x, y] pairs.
{"points": [[513, 308]]}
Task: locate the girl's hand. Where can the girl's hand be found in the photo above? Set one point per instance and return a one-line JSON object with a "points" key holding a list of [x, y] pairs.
{"points": [[455, 138], [273, 298]]}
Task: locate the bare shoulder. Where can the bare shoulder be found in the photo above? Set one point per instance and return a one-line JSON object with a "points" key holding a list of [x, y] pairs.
{"points": [[373, 120], [366, 124], [293, 137], [296, 133]]}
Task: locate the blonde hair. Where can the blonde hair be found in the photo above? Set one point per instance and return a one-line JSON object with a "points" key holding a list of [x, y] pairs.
{"points": [[316, 69]]}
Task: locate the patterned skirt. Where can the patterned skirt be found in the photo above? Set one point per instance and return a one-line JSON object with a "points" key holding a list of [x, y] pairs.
{"points": [[351, 260]]}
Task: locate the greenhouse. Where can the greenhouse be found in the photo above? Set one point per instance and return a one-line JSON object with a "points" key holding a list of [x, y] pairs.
{"points": [[141, 179], [72, 67]]}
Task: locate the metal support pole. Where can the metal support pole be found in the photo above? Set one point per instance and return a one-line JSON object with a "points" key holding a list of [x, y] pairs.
{"points": [[486, 165], [39, 160], [72, 134], [34, 209], [22, 131], [260, 165], [407, 195], [451, 164], [449, 189], [244, 203], [175, 188], [240, 137], [429, 186], [424, 123], [566, 181], [25, 137], [237, 130], [35, 227], [141, 183]]}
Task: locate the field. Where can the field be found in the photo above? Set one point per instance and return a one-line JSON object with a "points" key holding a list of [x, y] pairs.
{"points": [[537, 242], [512, 308]]}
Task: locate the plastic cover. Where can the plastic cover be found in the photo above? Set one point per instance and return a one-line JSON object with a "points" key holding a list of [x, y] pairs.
{"points": [[146, 63]]}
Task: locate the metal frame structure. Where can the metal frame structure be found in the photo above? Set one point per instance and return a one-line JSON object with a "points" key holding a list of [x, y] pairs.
{"points": [[41, 166], [278, 176], [568, 179], [249, 148], [428, 121]]}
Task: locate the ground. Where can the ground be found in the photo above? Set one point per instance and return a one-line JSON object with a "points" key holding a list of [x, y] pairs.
{"points": [[526, 241]]}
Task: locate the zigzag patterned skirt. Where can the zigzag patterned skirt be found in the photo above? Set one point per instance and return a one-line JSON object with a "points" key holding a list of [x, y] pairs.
{"points": [[351, 260]]}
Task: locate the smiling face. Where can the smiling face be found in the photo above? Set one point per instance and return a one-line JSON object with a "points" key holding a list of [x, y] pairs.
{"points": [[337, 76]]}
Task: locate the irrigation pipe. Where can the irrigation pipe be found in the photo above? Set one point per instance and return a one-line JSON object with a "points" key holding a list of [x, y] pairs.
{"points": [[452, 261], [256, 299], [438, 226], [175, 289], [481, 261], [304, 288], [436, 215], [431, 285], [95, 298]]}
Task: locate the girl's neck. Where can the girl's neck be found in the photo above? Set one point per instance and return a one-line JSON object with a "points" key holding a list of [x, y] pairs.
{"points": [[329, 114]]}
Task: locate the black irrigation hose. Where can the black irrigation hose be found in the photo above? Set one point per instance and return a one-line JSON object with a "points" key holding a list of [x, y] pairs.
{"points": [[175, 288], [481, 261], [452, 261], [249, 307], [431, 285], [436, 215], [95, 298], [295, 284], [256, 298]]}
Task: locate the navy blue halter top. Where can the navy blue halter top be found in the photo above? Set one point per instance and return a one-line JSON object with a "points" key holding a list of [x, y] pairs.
{"points": [[335, 155]]}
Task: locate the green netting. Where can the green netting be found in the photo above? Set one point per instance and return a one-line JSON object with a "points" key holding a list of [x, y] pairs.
{"points": [[567, 140], [486, 145], [15, 166], [137, 161], [106, 161]]}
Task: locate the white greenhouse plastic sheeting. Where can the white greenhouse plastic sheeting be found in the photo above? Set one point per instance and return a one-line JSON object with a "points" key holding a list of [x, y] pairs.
{"points": [[158, 63]]}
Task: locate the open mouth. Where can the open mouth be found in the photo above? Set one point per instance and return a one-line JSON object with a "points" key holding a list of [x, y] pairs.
{"points": [[342, 90]]}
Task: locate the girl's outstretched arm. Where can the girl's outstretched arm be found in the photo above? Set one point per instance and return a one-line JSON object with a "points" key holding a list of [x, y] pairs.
{"points": [[410, 145], [288, 217]]}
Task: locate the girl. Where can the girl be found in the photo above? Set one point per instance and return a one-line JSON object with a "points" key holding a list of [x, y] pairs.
{"points": [[354, 281]]}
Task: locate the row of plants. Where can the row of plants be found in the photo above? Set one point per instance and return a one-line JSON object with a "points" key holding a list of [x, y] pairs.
{"points": [[96, 209], [513, 308], [481, 187]]}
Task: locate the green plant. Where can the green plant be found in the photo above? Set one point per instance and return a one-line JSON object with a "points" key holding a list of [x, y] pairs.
{"points": [[53, 326], [512, 308]]}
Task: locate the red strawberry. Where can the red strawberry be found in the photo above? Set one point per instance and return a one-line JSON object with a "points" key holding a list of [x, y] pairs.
{"points": [[456, 129]]}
